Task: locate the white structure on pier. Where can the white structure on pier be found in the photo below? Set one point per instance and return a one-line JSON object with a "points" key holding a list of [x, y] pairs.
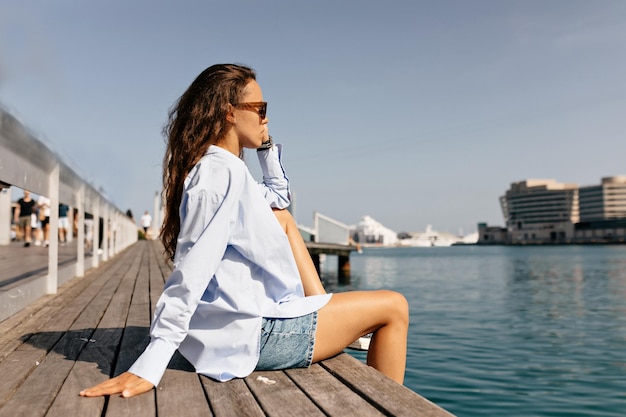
{"points": [[371, 232]]}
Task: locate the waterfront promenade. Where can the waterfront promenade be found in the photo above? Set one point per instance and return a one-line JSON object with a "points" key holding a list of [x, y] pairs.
{"points": [[96, 326], [19, 263]]}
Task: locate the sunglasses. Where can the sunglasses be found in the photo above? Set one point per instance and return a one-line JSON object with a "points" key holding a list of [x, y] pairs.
{"points": [[259, 107]]}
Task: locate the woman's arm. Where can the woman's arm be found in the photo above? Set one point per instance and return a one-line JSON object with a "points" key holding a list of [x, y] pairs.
{"points": [[275, 186], [308, 274], [277, 193]]}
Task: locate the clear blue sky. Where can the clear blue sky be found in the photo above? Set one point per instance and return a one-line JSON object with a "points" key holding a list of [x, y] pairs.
{"points": [[412, 112]]}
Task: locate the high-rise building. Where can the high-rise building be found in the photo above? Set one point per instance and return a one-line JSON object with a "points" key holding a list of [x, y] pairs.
{"points": [[606, 201], [545, 211], [602, 212], [540, 210]]}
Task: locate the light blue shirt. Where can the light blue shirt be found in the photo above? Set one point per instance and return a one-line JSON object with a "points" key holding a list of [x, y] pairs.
{"points": [[233, 266]]}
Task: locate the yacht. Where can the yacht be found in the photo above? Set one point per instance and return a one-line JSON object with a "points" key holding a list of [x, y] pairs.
{"points": [[429, 238]]}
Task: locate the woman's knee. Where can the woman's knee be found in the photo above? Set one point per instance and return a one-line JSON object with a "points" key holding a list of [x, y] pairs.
{"points": [[396, 305]]}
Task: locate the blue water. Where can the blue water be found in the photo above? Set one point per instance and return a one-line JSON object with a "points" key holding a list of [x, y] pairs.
{"points": [[508, 331]]}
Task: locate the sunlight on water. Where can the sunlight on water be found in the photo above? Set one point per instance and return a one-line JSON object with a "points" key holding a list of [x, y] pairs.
{"points": [[515, 331]]}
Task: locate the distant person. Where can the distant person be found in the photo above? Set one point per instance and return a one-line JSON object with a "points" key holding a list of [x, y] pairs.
{"points": [[244, 293], [44, 215], [64, 223], [22, 216], [146, 221], [101, 235], [74, 222]]}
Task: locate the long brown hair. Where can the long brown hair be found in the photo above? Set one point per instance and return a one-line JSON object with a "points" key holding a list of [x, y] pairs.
{"points": [[197, 120]]}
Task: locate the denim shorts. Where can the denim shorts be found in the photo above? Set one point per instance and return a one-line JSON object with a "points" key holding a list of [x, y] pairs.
{"points": [[287, 343]]}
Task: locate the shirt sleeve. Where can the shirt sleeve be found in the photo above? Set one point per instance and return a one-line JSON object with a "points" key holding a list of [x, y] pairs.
{"points": [[207, 220], [275, 186]]}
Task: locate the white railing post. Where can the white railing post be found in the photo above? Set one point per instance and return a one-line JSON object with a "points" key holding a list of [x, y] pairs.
{"points": [[53, 234], [105, 232], [115, 233], [156, 226], [80, 232], [95, 249], [5, 216]]}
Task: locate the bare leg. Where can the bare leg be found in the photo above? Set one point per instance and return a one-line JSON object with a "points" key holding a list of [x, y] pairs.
{"points": [[308, 274], [350, 315], [384, 313], [38, 235], [27, 233]]}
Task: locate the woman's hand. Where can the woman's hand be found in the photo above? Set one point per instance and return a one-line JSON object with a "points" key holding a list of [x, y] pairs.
{"points": [[127, 384]]}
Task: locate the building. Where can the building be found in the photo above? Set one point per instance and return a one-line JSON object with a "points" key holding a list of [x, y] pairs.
{"points": [[491, 235], [606, 201], [543, 211], [602, 212], [371, 232], [540, 211]]}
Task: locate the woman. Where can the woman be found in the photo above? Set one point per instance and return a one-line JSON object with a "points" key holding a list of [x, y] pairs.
{"points": [[244, 293]]}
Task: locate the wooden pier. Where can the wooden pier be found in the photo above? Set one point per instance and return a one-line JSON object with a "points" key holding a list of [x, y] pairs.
{"points": [[97, 325], [343, 257]]}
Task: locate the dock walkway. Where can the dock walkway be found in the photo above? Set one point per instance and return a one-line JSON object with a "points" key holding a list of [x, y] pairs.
{"points": [[97, 325], [18, 263]]}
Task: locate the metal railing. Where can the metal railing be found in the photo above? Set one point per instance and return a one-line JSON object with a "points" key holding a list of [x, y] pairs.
{"points": [[27, 163]]}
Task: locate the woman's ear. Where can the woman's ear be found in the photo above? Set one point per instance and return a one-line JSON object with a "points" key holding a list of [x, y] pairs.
{"points": [[230, 116]]}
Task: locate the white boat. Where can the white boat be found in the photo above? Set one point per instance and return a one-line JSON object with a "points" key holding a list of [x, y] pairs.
{"points": [[429, 238]]}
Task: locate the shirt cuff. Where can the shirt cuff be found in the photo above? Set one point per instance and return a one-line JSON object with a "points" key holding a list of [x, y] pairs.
{"points": [[270, 161], [153, 361]]}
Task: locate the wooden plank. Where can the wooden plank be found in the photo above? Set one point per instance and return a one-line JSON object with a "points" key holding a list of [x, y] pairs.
{"points": [[181, 389], [134, 340], [231, 398], [382, 392], [68, 403], [39, 391], [15, 369], [274, 390], [330, 394], [18, 263], [162, 270], [26, 321], [36, 394], [33, 352], [95, 363], [33, 317], [135, 337]]}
